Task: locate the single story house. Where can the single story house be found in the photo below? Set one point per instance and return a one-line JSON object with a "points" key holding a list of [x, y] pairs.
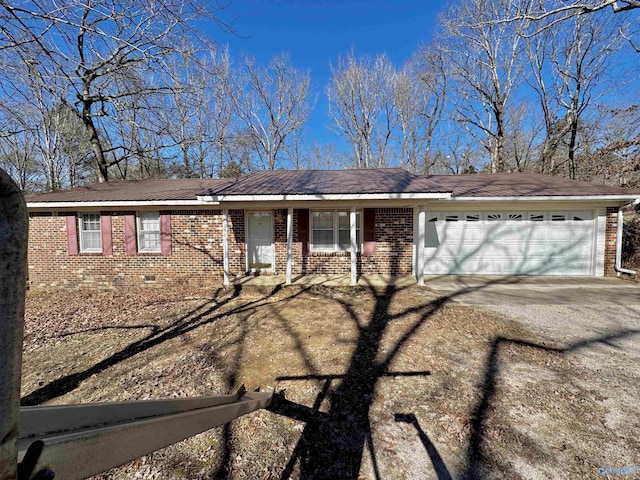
{"points": [[291, 223]]}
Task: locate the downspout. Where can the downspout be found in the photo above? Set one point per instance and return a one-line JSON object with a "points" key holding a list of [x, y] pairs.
{"points": [[618, 264]]}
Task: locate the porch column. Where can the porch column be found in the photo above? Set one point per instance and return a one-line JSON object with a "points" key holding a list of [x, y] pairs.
{"points": [[225, 246], [420, 245], [289, 240], [354, 246]]}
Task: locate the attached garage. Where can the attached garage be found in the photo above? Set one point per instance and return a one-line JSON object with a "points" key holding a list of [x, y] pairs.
{"points": [[514, 242]]}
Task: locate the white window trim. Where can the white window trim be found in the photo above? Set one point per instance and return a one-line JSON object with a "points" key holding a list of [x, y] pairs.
{"points": [[139, 233], [81, 231], [336, 234]]}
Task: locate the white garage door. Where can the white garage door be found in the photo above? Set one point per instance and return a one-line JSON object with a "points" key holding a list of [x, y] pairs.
{"points": [[502, 243]]}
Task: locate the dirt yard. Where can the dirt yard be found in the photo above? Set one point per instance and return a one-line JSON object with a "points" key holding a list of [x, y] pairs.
{"points": [[395, 384]]}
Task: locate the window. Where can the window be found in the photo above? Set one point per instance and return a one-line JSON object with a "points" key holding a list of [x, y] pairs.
{"points": [[90, 233], [451, 218], [536, 217], [148, 231], [493, 217], [580, 216], [558, 217], [331, 230], [513, 216], [473, 217]]}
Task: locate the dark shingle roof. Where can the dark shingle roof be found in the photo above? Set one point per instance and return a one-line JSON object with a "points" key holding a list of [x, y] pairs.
{"points": [[292, 182], [396, 180], [133, 190], [520, 185]]}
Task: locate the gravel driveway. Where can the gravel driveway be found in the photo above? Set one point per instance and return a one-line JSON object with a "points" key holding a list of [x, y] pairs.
{"points": [[567, 309], [596, 321]]}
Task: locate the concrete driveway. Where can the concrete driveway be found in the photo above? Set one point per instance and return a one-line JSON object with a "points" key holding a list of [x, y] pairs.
{"points": [[563, 308]]}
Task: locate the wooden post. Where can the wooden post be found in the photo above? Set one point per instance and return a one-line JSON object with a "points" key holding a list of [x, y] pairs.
{"points": [[14, 223], [289, 241], [225, 246], [422, 225], [354, 246]]}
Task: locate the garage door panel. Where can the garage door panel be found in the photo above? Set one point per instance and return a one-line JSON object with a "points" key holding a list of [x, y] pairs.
{"points": [[535, 243]]}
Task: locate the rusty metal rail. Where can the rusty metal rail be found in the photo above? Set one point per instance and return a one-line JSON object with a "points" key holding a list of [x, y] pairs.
{"points": [[77, 441]]}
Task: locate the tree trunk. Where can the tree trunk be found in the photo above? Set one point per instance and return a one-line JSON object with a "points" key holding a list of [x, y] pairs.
{"points": [[96, 145]]}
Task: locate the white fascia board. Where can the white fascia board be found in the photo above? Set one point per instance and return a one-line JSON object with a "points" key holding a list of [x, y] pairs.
{"points": [[127, 203], [318, 197], [554, 198]]}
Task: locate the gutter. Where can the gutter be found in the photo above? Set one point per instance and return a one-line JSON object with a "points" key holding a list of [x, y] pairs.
{"points": [[618, 264], [549, 198], [117, 203], [324, 196]]}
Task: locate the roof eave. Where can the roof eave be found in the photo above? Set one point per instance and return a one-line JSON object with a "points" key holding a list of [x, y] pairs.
{"points": [[320, 197], [550, 198], [116, 204]]}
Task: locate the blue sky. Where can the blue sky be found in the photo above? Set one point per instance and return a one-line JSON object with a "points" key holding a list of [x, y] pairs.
{"points": [[315, 33]]}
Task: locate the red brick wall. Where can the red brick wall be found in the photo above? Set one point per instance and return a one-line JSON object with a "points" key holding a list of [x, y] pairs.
{"points": [[196, 251], [610, 242], [393, 255]]}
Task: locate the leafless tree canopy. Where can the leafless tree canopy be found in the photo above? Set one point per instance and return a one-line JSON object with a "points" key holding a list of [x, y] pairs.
{"points": [[100, 89]]}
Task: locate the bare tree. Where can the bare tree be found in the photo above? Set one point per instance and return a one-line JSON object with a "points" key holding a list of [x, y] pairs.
{"points": [[361, 102], [91, 54], [420, 93], [569, 63], [272, 105], [486, 65]]}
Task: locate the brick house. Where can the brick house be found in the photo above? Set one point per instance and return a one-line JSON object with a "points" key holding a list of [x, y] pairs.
{"points": [[387, 221]]}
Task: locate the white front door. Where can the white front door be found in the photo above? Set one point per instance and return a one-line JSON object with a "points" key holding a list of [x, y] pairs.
{"points": [[260, 240]]}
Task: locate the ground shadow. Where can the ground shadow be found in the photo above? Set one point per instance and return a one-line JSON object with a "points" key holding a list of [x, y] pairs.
{"points": [[204, 314], [438, 464], [477, 457], [332, 443]]}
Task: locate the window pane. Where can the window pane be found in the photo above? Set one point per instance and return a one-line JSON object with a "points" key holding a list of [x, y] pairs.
{"points": [[344, 239], [150, 222], [343, 220], [323, 220], [91, 221], [150, 242], [536, 217], [492, 217], [473, 217], [323, 238], [91, 240], [451, 218]]}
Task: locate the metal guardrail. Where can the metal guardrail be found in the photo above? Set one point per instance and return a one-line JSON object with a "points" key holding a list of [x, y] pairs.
{"points": [[77, 441]]}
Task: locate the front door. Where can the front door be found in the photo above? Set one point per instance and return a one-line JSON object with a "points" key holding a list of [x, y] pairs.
{"points": [[260, 240]]}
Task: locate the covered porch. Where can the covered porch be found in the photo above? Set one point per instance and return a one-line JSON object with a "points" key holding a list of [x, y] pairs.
{"points": [[366, 280]]}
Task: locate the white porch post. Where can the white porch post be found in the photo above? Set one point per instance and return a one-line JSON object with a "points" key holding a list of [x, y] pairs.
{"points": [[225, 246], [420, 245], [354, 246], [289, 240]]}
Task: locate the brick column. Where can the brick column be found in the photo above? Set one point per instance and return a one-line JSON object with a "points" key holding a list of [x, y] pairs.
{"points": [[610, 242]]}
